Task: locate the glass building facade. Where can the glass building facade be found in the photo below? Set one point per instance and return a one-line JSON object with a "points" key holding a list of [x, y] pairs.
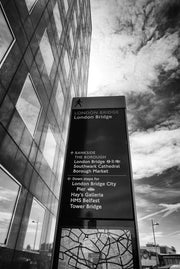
{"points": [[44, 60]]}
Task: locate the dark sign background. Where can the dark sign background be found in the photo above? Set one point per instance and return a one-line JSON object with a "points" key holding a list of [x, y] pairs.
{"points": [[105, 137]]}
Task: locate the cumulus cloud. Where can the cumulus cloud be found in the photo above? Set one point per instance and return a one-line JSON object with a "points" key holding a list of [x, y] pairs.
{"points": [[154, 152], [123, 56]]}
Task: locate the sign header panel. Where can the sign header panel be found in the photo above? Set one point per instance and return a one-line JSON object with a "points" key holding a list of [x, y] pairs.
{"points": [[99, 102]]}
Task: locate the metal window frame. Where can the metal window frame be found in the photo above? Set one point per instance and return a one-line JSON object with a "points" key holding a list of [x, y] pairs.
{"points": [[32, 7], [46, 32], [45, 209], [39, 114], [12, 34], [15, 204]]}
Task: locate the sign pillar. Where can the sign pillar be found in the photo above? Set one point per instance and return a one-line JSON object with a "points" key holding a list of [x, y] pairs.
{"points": [[97, 216]]}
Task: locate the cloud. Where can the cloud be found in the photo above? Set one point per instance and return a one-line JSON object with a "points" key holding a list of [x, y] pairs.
{"points": [[167, 16], [3, 199], [175, 233], [155, 193], [123, 56], [145, 237], [170, 208], [4, 217], [114, 71], [7, 195], [142, 203], [152, 214], [144, 207], [167, 210], [154, 152], [148, 237], [135, 52], [152, 113]]}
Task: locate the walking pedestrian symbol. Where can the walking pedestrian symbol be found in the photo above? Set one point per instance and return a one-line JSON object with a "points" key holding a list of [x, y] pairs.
{"points": [[78, 103]]}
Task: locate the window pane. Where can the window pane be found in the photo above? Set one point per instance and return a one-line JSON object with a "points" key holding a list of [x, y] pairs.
{"points": [[75, 21], [72, 91], [57, 19], [30, 4], [34, 229], [6, 37], [79, 51], [46, 51], [9, 190], [59, 98], [66, 5], [49, 148], [78, 7], [51, 236], [28, 105], [76, 69], [66, 64], [71, 39], [61, 160]]}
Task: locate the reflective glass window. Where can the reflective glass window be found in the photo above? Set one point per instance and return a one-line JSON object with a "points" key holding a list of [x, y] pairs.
{"points": [[60, 98], [78, 7], [79, 51], [76, 69], [6, 36], [66, 123], [72, 91], [71, 39], [52, 230], [46, 52], [66, 64], [34, 228], [57, 19], [66, 5], [75, 20], [81, 37], [30, 4], [49, 148], [9, 192], [61, 157], [28, 105]]}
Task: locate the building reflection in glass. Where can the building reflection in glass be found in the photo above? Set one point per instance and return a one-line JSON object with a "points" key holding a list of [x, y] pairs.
{"points": [[34, 228], [6, 36], [49, 147], [9, 191], [46, 51], [30, 4], [60, 98], [28, 105], [57, 20]]}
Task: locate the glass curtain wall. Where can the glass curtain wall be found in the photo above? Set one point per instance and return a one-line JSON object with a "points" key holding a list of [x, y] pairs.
{"points": [[40, 71]]}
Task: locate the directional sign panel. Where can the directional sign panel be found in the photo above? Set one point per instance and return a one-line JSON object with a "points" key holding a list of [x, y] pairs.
{"points": [[97, 180], [97, 224]]}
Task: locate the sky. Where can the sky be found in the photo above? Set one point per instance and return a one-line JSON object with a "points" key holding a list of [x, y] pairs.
{"points": [[135, 52]]}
